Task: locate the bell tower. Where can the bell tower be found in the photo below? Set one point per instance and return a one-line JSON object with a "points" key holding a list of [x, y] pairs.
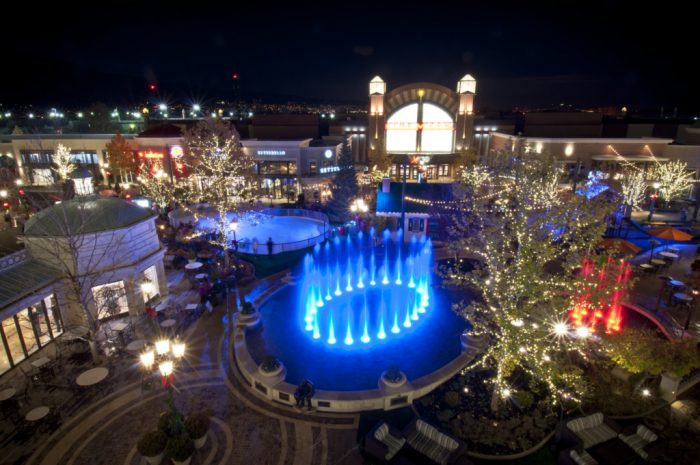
{"points": [[464, 129], [377, 118]]}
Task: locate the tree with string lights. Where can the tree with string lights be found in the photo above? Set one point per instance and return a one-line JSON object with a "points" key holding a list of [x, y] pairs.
{"points": [[158, 188], [222, 172], [675, 179], [64, 162], [529, 239], [344, 186], [633, 187]]}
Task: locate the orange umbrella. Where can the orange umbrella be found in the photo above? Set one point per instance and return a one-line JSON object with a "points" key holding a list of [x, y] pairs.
{"points": [[673, 234], [620, 245]]}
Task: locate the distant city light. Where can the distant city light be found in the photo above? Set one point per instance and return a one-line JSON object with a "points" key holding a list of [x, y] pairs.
{"points": [[152, 87], [80, 114], [250, 114], [31, 115], [162, 107], [196, 107]]}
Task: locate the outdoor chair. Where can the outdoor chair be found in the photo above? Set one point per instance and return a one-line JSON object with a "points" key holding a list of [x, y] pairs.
{"points": [[383, 442], [587, 431], [642, 440]]}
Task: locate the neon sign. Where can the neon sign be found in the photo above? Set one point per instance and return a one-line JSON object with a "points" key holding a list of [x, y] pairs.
{"points": [[152, 155], [329, 169]]}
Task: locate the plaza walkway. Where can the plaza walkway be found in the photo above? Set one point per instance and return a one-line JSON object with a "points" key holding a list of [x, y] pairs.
{"points": [[102, 426]]}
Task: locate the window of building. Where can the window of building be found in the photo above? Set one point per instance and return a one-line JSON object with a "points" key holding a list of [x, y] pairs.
{"points": [[14, 343], [149, 285], [28, 325], [110, 299], [433, 134], [444, 170], [4, 359], [25, 332], [81, 157], [416, 224], [394, 170], [42, 176], [313, 167]]}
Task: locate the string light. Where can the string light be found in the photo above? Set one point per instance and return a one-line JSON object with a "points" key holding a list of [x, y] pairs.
{"points": [[516, 224]]}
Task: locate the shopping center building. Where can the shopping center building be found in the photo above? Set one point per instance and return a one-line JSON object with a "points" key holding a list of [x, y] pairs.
{"points": [[422, 126]]}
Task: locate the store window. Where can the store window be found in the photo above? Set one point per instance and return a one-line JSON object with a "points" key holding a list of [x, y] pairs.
{"points": [[80, 157], [14, 343], [42, 176], [4, 359], [444, 170], [110, 299], [149, 285], [28, 326], [28, 330]]}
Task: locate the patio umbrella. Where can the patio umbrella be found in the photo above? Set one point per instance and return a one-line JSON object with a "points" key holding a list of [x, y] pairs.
{"points": [[620, 245], [673, 234]]}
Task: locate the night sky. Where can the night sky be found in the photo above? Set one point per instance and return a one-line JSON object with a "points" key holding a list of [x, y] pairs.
{"points": [[527, 54]]}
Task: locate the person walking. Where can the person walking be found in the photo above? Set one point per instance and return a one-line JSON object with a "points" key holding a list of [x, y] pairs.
{"points": [[270, 244]]}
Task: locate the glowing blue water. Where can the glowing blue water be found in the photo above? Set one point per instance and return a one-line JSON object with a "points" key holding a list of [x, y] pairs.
{"points": [[354, 308], [430, 343]]}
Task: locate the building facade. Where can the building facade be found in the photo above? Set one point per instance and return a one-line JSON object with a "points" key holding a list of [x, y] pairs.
{"points": [[422, 126]]}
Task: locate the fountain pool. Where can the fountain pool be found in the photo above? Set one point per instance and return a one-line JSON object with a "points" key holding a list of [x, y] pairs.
{"points": [[356, 307]]}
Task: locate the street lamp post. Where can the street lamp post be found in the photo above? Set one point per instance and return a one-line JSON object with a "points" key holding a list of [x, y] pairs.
{"points": [[233, 226], [163, 357]]}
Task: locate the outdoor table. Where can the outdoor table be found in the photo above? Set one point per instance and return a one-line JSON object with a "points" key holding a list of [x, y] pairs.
{"points": [[191, 307], [37, 413], [676, 283], [75, 333], [92, 376], [200, 276], [136, 345], [40, 362], [119, 327], [656, 261], [167, 323], [194, 266], [7, 394], [613, 452], [669, 255], [674, 250], [646, 266]]}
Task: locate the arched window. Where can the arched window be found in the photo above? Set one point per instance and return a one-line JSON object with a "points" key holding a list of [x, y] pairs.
{"points": [[420, 128]]}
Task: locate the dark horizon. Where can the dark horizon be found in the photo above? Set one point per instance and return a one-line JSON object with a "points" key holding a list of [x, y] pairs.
{"points": [[610, 54]]}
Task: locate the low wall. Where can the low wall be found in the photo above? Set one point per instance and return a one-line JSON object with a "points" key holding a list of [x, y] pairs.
{"points": [[344, 401]]}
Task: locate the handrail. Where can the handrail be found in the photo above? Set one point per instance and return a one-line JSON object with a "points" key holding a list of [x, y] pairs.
{"points": [[262, 249]]}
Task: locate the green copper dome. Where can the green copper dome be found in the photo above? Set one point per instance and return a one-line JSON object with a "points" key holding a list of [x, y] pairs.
{"points": [[85, 215]]}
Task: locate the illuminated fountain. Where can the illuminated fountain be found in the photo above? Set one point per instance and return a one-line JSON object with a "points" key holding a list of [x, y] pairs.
{"points": [[355, 292]]}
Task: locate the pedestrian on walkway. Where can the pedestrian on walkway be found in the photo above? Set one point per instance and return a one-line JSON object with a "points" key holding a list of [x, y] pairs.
{"points": [[270, 244]]}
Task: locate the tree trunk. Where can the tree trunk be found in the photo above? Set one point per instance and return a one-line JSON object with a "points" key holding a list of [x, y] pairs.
{"points": [[92, 342], [495, 400]]}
